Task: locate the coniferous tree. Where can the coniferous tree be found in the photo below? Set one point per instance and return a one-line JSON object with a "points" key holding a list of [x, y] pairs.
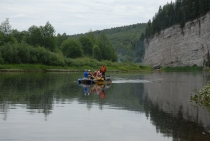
{"points": [[178, 12]]}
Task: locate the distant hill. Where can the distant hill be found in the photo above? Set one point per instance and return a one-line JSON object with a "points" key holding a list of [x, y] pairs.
{"points": [[125, 40]]}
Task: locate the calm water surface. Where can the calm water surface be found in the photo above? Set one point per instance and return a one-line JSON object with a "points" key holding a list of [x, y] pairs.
{"points": [[146, 107]]}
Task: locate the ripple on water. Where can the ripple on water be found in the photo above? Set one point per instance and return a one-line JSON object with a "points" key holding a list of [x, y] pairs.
{"points": [[131, 81]]}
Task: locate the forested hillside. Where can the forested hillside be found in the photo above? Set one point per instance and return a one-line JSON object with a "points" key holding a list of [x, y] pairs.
{"points": [[40, 45], [178, 12], [125, 40]]}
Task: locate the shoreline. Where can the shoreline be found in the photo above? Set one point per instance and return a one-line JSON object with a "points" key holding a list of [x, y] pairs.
{"points": [[63, 70]]}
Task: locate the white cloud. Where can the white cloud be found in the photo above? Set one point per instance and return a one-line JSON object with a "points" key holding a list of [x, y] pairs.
{"points": [[78, 16]]}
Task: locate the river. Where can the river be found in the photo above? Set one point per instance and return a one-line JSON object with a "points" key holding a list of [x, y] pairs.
{"points": [[135, 106]]}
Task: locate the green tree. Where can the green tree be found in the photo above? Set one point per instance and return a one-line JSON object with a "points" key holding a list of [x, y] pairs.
{"points": [[19, 36], [86, 45], [97, 52], [5, 27], [43, 55], [5, 33], [24, 53], [105, 47], [33, 56], [9, 53], [91, 36], [194, 9], [60, 38], [42, 36], [71, 48], [48, 36], [122, 39], [6, 39], [34, 37], [1, 59], [114, 57]]}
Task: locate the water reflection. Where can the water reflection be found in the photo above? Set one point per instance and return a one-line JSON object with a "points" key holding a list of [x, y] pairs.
{"points": [[28, 90], [167, 105], [164, 99], [95, 89]]}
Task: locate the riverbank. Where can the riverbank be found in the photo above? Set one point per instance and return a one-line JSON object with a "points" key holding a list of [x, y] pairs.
{"points": [[111, 67], [117, 67], [179, 68]]}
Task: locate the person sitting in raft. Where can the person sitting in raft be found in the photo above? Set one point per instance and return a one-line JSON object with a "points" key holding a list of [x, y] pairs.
{"points": [[99, 75], [95, 73], [85, 74], [90, 75]]}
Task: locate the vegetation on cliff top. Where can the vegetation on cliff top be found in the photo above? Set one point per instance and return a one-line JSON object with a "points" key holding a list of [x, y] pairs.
{"points": [[178, 12]]}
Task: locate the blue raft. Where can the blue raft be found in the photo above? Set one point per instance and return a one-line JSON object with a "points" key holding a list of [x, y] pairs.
{"points": [[94, 81]]}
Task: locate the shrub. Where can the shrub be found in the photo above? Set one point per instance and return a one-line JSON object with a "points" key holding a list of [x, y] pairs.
{"points": [[9, 53], [203, 96], [24, 53], [71, 48]]}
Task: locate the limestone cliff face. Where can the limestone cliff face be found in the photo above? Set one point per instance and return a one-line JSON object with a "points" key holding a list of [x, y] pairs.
{"points": [[180, 47]]}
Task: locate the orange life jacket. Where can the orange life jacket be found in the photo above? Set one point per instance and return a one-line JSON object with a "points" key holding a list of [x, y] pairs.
{"points": [[103, 69]]}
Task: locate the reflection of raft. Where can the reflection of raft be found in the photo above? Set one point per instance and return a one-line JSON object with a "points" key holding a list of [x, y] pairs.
{"points": [[94, 81]]}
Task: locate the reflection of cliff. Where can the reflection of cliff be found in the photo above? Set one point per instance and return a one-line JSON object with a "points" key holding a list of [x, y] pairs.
{"points": [[175, 126], [172, 95]]}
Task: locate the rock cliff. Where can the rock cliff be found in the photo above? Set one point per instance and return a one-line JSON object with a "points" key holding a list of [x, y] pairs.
{"points": [[181, 47]]}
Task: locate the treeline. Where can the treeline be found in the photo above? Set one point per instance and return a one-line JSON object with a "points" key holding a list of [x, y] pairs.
{"points": [[178, 12], [125, 40], [41, 45]]}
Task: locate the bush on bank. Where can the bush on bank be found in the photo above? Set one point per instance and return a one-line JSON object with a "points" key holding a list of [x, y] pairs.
{"points": [[202, 97], [25, 56], [76, 65]]}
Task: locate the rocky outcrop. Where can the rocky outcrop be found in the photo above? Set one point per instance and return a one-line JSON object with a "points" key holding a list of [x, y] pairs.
{"points": [[181, 47]]}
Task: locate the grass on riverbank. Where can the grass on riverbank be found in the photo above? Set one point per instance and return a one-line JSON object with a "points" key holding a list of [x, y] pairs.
{"points": [[77, 65], [81, 64]]}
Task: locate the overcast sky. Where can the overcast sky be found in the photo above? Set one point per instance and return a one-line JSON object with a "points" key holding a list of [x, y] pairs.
{"points": [[78, 16]]}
